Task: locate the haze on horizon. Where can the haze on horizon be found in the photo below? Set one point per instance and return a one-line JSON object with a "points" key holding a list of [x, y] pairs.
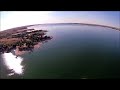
{"points": [[11, 19]]}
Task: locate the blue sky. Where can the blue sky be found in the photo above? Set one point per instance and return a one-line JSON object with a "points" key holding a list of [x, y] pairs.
{"points": [[10, 19]]}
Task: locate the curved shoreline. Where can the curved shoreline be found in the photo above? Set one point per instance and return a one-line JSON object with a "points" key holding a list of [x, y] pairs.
{"points": [[25, 27], [78, 23]]}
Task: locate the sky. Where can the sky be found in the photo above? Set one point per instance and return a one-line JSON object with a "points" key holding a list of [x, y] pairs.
{"points": [[11, 19]]}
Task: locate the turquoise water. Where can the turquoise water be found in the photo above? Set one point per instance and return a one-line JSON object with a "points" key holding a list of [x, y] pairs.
{"points": [[75, 52]]}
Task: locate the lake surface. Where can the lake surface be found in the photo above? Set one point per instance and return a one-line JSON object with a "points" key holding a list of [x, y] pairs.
{"points": [[74, 52]]}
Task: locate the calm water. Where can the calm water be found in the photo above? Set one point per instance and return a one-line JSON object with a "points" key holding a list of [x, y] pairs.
{"points": [[74, 52]]}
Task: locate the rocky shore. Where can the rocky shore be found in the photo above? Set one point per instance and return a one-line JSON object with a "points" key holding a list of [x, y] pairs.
{"points": [[23, 40]]}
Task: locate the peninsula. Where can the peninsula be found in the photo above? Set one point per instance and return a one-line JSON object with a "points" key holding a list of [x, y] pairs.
{"points": [[22, 38]]}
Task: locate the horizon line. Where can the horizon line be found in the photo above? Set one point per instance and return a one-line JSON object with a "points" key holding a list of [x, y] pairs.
{"points": [[92, 24]]}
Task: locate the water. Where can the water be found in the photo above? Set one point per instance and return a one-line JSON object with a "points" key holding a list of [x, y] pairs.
{"points": [[75, 52]]}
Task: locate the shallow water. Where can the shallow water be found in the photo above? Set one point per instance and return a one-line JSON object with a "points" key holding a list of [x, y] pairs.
{"points": [[75, 52]]}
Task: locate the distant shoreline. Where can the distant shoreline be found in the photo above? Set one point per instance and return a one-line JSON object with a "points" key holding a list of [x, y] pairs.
{"points": [[24, 27], [80, 24]]}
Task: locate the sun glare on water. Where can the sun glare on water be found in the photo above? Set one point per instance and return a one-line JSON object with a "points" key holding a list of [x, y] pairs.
{"points": [[13, 63]]}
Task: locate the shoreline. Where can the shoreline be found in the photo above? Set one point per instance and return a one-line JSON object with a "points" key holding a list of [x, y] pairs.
{"points": [[24, 41], [25, 27]]}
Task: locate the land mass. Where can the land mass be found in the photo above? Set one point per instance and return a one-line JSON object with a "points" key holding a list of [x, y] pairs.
{"points": [[78, 24], [22, 39], [22, 36], [25, 27]]}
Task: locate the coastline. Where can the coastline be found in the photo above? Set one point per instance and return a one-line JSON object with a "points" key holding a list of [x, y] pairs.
{"points": [[78, 23], [25, 27], [24, 41]]}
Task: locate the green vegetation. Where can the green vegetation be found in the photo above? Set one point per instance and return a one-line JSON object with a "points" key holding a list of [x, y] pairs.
{"points": [[23, 40]]}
